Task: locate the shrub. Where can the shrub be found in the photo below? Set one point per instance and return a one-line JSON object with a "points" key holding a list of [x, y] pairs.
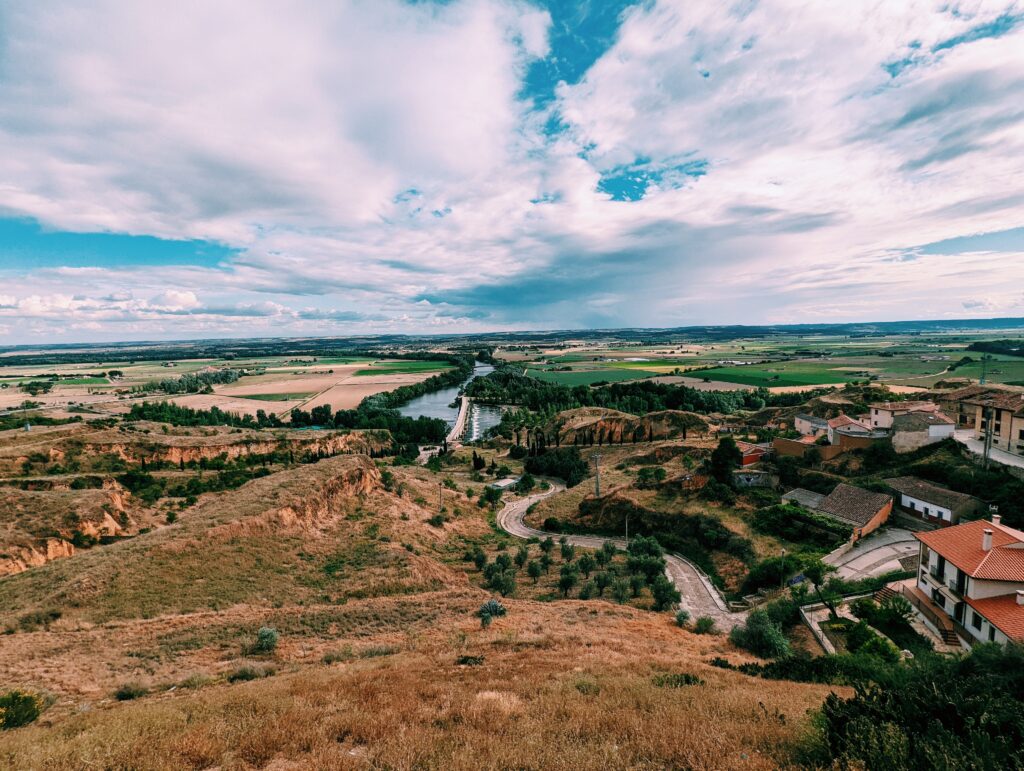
{"points": [[664, 592], [586, 564], [564, 463], [333, 657], [588, 591], [266, 640], [469, 661], [30, 622], [534, 570], [682, 617], [784, 611], [882, 648], [130, 691], [941, 712], [377, 651], [676, 680], [761, 636], [620, 590], [437, 520], [704, 625], [18, 708], [245, 673], [489, 611]]}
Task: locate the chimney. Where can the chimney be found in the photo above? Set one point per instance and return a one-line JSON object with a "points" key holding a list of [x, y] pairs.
{"points": [[996, 518], [1020, 596], [986, 540]]}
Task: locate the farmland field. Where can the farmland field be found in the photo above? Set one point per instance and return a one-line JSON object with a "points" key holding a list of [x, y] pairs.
{"points": [[589, 377], [772, 375], [401, 367], [277, 397]]}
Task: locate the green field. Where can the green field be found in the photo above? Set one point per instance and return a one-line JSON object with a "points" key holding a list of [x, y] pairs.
{"points": [[277, 397], [589, 376], [402, 367], [774, 375]]}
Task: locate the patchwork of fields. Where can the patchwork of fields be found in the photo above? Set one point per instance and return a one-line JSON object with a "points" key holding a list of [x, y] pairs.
{"points": [[783, 363]]}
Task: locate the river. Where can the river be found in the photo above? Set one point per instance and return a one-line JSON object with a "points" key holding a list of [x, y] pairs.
{"points": [[438, 405]]}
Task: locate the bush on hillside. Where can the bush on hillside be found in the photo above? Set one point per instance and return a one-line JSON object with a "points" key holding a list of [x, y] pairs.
{"points": [[266, 640], [19, 708], [938, 712], [761, 636]]}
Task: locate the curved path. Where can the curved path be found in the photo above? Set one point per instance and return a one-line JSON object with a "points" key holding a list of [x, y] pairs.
{"points": [[698, 595]]}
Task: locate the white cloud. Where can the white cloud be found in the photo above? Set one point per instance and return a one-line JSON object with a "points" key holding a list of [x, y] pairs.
{"points": [[364, 156]]}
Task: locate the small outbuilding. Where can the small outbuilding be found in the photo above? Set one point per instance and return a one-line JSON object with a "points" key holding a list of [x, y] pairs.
{"points": [[930, 502]]}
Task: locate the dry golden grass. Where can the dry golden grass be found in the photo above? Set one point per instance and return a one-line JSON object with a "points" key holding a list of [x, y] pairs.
{"points": [[561, 686], [345, 570]]}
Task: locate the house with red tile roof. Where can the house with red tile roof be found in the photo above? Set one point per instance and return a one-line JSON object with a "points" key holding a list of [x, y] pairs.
{"points": [[752, 453], [973, 574]]}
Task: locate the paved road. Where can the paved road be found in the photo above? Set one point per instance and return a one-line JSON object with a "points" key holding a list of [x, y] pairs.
{"points": [[697, 594], [977, 447], [877, 554]]}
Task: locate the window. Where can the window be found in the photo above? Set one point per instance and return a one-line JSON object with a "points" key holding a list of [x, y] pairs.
{"points": [[913, 505], [991, 633], [1020, 434], [976, 621], [926, 511]]}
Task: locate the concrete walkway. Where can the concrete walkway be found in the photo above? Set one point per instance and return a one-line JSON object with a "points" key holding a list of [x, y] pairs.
{"points": [[879, 553], [698, 594], [965, 436]]}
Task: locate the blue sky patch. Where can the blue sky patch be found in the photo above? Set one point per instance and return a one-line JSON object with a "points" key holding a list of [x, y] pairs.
{"points": [[1011, 240], [998, 27], [580, 33], [630, 183], [25, 245]]}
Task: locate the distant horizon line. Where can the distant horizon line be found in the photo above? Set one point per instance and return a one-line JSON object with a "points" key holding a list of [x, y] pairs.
{"points": [[1009, 322]]}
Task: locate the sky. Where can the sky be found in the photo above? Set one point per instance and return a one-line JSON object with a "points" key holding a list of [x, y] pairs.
{"points": [[246, 168]]}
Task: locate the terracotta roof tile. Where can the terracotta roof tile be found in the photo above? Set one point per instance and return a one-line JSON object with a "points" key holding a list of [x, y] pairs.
{"points": [[904, 406], [961, 545], [846, 420], [1003, 612], [853, 505]]}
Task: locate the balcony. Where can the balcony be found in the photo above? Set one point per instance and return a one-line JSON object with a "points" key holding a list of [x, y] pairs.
{"points": [[956, 588]]}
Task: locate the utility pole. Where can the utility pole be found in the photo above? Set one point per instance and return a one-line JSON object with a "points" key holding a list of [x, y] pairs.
{"points": [[984, 368], [597, 478], [987, 415], [782, 578], [440, 497]]}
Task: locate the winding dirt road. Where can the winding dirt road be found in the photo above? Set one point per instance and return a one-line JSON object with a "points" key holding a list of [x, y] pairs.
{"points": [[698, 595]]}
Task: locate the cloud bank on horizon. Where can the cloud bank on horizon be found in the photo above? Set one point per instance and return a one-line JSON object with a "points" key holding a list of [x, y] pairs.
{"points": [[256, 168]]}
